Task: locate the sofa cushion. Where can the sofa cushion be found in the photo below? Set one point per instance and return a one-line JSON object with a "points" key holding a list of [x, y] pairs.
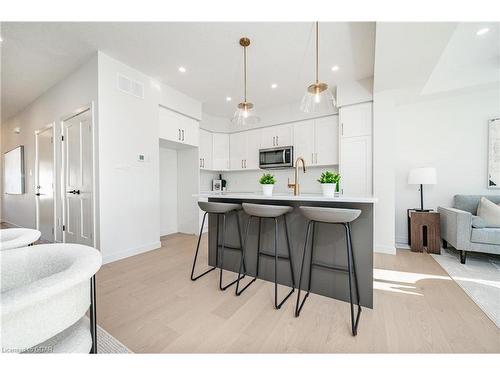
{"points": [[470, 203], [478, 222], [486, 235], [489, 212]]}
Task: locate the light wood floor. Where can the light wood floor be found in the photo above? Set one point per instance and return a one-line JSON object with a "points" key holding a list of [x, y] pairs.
{"points": [[149, 303]]}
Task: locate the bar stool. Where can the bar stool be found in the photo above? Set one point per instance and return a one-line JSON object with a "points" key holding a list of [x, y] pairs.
{"points": [[266, 211], [330, 216], [219, 209]]}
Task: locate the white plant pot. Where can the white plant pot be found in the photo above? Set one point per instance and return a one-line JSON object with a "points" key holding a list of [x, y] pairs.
{"points": [[328, 190], [267, 189]]}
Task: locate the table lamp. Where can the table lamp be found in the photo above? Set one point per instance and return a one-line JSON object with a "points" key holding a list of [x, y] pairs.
{"points": [[422, 176]]}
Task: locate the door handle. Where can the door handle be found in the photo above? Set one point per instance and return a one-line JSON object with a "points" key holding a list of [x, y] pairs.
{"points": [[38, 194], [74, 192]]}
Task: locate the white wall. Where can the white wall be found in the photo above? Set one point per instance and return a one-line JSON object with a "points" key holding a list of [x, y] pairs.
{"points": [[448, 132], [129, 189], [215, 124], [168, 191], [75, 91]]}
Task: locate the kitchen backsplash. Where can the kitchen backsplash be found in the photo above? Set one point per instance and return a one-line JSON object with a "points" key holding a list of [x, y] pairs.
{"points": [[248, 181]]}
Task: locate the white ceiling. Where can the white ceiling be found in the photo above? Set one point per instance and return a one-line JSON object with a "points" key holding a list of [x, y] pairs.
{"points": [[35, 56]]}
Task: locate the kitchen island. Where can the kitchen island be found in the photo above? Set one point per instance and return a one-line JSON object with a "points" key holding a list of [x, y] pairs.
{"points": [[330, 245]]}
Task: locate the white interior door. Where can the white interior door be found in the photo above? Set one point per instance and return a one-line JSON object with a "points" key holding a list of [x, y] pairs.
{"points": [[78, 165], [45, 183]]}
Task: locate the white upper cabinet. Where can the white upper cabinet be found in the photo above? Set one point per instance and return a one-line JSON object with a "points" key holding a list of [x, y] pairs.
{"points": [[206, 149], [275, 136], [177, 128], [317, 141], [237, 150], [326, 140], [244, 150], [356, 120], [220, 158], [303, 135], [252, 144]]}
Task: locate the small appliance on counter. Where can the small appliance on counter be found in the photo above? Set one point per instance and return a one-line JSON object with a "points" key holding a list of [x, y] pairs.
{"points": [[219, 185]]}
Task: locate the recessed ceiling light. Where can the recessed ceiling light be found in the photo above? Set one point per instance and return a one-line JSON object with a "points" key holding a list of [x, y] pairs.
{"points": [[335, 68], [182, 69], [482, 31], [274, 85], [228, 99]]}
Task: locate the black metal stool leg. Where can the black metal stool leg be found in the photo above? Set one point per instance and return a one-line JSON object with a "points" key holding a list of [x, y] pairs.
{"points": [[276, 304], [355, 277], [354, 321], [93, 316], [299, 304], [245, 245], [289, 252], [193, 278], [221, 263]]}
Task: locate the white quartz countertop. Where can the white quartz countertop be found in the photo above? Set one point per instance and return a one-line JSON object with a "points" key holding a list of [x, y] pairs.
{"points": [[286, 197]]}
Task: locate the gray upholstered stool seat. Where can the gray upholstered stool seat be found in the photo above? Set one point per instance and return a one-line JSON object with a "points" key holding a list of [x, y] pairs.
{"points": [[266, 210], [218, 207], [330, 215]]}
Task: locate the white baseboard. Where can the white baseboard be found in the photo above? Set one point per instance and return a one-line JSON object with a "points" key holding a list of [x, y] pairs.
{"points": [[109, 258], [385, 249], [403, 245]]}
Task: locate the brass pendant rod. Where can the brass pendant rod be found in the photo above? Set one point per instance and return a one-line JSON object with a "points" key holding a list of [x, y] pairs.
{"points": [[317, 51], [245, 72]]}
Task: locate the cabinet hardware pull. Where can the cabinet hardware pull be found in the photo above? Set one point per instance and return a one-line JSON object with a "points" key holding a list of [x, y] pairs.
{"points": [[277, 140], [179, 136], [182, 134], [312, 157]]}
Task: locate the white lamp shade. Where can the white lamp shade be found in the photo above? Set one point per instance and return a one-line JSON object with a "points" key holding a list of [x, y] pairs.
{"points": [[422, 176]]}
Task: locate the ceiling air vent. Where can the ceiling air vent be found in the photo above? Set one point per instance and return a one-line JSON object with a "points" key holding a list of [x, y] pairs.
{"points": [[130, 86]]}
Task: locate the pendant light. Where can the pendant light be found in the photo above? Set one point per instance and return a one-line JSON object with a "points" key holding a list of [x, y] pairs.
{"points": [[318, 97], [245, 114]]}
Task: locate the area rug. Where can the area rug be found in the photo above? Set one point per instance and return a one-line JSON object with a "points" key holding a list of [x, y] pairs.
{"points": [[479, 278], [107, 344]]}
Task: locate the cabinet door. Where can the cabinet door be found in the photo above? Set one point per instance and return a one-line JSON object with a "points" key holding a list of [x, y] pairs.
{"points": [[267, 137], [237, 150], [190, 130], [220, 158], [169, 125], [326, 135], [356, 166], [252, 139], [356, 120], [283, 135], [303, 134], [205, 149]]}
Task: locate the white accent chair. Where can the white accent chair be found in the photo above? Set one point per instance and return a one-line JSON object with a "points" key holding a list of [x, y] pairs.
{"points": [[46, 292], [13, 238]]}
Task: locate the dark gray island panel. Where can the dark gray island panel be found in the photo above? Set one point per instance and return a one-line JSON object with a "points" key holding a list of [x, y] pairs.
{"points": [[330, 247]]}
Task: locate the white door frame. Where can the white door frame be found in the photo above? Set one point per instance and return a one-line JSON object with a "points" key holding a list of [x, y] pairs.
{"points": [[78, 111], [54, 177]]}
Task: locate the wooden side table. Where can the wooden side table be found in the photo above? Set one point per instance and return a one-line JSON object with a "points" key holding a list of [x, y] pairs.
{"points": [[424, 231]]}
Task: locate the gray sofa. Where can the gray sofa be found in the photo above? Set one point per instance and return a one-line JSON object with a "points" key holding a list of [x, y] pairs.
{"points": [[461, 228]]}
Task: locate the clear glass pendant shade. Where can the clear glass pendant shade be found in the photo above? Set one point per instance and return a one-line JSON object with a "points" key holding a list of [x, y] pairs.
{"points": [[317, 99], [245, 115]]}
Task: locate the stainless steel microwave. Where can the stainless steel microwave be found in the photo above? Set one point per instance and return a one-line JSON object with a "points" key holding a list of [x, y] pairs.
{"points": [[276, 157]]}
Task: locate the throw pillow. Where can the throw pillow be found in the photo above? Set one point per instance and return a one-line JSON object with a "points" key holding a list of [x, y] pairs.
{"points": [[489, 212]]}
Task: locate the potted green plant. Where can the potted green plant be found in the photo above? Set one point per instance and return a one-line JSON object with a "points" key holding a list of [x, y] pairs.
{"points": [[267, 182], [329, 183]]}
